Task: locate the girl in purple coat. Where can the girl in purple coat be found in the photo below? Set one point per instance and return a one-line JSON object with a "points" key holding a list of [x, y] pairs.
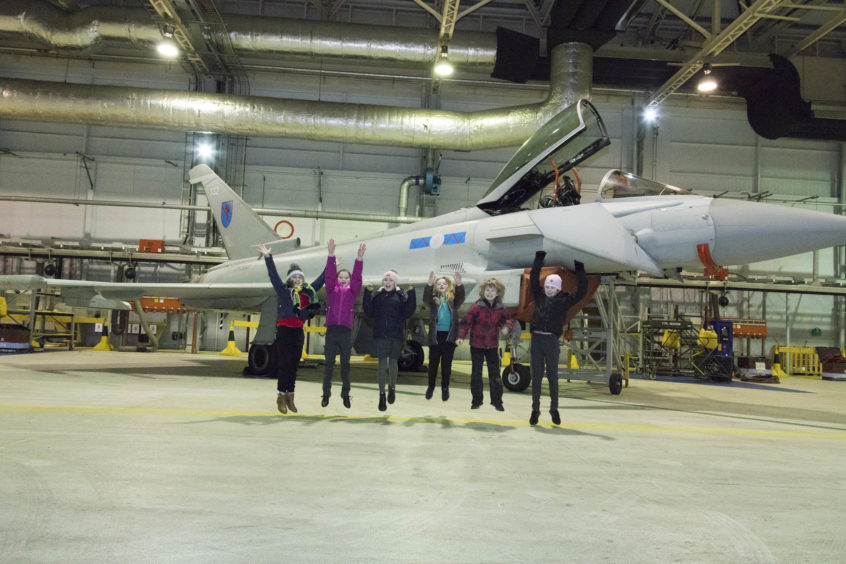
{"points": [[342, 287]]}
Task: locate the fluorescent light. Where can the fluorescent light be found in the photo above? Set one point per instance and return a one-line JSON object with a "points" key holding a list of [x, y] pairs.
{"points": [[167, 49]]}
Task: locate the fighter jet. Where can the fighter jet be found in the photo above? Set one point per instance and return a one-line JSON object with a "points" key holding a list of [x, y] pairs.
{"points": [[635, 224]]}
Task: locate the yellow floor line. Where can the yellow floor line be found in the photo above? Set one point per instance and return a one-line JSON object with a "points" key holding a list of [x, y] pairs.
{"points": [[838, 435]]}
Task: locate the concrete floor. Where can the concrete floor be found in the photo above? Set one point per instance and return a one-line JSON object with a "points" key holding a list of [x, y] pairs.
{"points": [[128, 457]]}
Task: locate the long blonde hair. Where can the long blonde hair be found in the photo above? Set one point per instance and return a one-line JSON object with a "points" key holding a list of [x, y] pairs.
{"points": [[500, 288], [450, 291]]}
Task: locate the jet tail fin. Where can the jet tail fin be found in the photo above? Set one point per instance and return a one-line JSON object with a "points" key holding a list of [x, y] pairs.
{"points": [[240, 227]]}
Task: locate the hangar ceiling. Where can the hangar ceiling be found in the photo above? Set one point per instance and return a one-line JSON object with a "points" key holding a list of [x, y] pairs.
{"points": [[655, 47]]}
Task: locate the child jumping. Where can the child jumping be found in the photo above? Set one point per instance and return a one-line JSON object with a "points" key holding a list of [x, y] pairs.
{"points": [[486, 318], [389, 308], [551, 307], [296, 303], [443, 298], [342, 287]]}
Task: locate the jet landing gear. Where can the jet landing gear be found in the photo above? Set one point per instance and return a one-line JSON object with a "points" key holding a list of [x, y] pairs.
{"points": [[516, 377], [261, 361]]}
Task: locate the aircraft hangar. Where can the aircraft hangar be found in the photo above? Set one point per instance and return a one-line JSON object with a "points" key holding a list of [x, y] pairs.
{"points": [[702, 406]]}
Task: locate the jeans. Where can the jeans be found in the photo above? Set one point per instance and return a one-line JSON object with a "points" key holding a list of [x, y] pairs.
{"points": [[337, 343], [545, 351], [491, 356], [388, 351], [441, 354], [289, 350]]}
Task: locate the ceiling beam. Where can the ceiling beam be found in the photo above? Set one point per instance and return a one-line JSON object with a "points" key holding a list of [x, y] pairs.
{"points": [[714, 46]]}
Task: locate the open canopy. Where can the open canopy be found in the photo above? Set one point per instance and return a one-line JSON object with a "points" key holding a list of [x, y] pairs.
{"points": [[567, 139]]}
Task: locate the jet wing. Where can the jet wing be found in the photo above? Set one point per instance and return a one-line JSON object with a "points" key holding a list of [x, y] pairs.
{"points": [[80, 291]]}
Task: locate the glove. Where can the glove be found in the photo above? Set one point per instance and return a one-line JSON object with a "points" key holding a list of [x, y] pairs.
{"points": [[540, 254], [580, 266]]}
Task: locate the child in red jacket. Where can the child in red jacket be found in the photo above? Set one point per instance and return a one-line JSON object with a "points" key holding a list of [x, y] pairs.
{"points": [[485, 320]]}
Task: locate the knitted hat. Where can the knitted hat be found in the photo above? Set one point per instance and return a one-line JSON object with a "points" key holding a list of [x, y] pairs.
{"points": [[392, 274], [293, 270], [553, 280]]}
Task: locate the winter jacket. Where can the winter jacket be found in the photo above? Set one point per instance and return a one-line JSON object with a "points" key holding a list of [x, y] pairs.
{"points": [[389, 311], [550, 313], [340, 300], [287, 312], [434, 305], [484, 321]]}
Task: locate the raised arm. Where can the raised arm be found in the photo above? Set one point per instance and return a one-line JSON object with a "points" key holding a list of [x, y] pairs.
{"points": [[367, 302], [410, 303], [534, 276]]}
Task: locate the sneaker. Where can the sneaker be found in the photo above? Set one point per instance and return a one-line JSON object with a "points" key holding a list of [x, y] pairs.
{"points": [[392, 396], [346, 401], [429, 391], [556, 418], [533, 420], [475, 405], [325, 401], [445, 394], [282, 403], [499, 407], [382, 405]]}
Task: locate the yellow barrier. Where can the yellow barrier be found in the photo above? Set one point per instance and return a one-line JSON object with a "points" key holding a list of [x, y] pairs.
{"points": [[799, 361]]}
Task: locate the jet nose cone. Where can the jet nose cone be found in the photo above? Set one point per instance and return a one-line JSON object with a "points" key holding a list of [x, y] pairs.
{"points": [[750, 232]]}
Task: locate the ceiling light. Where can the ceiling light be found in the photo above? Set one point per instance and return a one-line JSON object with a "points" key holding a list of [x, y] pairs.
{"points": [[204, 151], [167, 49], [443, 67], [650, 114], [707, 82]]}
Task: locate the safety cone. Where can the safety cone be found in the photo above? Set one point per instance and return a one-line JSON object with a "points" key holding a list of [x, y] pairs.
{"points": [[104, 344], [231, 349]]}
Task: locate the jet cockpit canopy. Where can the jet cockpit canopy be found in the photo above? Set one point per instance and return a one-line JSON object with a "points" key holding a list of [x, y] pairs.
{"points": [[567, 139], [619, 184]]}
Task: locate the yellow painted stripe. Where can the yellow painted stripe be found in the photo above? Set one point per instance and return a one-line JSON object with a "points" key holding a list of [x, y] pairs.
{"points": [[834, 434]]}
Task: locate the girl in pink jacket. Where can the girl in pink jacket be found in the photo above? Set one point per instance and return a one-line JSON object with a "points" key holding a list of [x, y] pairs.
{"points": [[342, 287]]}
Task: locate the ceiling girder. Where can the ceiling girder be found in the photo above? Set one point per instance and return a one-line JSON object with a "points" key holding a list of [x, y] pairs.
{"points": [[714, 46]]}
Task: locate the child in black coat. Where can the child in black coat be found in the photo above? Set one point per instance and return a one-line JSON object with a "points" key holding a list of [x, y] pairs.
{"points": [[389, 307], [551, 308]]}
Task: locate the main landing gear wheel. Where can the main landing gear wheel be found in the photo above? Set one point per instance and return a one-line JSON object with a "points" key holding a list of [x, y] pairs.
{"points": [[411, 357], [261, 361], [615, 383], [516, 377]]}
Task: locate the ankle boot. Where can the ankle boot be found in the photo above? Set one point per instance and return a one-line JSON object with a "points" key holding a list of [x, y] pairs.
{"points": [[382, 405], [444, 394], [429, 391], [346, 401], [282, 403], [392, 396], [325, 401], [291, 405]]}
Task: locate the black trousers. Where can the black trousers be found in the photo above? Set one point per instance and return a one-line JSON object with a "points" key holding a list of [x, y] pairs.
{"points": [[545, 352], [289, 350], [491, 357], [441, 354], [337, 343]]}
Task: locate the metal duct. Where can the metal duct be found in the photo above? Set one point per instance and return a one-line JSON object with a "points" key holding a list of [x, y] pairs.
{"points": [[306, 38], [570, 79]]}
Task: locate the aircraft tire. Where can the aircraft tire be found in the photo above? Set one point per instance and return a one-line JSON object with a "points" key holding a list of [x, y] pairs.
{"points": [[518, 379], [411, 357], [261, 361], [615, 383]]}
